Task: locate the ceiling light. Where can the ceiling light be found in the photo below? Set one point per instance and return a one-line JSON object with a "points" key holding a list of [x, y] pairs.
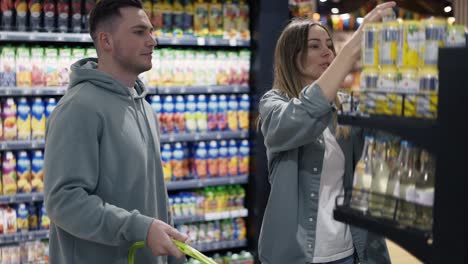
{"points": [[359, 20], [345, 16], [323, 1], [447, 9], [335, 10]]}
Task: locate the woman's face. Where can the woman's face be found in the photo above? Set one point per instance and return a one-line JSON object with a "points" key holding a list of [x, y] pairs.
{"points": [[319, 54]]}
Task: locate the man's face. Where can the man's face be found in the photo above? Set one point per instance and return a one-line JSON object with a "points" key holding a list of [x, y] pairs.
{"points": [[133, 41]]}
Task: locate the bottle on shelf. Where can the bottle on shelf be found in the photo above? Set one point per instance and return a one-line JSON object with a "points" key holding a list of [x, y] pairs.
{"points": [[425, 192], [363, 177], [379, 178], [407, 210]]}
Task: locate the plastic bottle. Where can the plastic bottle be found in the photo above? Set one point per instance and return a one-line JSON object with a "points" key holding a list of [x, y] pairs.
{"points": [[166, 157], [201, 114], [190, 113]]}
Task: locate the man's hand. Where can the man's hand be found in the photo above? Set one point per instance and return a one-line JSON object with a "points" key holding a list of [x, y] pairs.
{"points": [[160, 237]]}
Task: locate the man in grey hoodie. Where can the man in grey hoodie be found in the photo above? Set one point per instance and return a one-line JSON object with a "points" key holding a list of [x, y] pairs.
{"points": [[104, 186]]}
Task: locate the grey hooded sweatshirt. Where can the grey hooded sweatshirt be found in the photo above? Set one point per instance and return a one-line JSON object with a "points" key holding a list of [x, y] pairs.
{"points": [[104, 182]]}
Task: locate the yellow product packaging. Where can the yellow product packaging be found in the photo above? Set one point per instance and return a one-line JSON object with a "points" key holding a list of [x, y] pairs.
{"points": [[389, 40], [455, 36], [367, 95], [370, 45], [51, 63], [9, 176], [433, 39], [189, 61], [22, 218], [386, 85], [408, 84], [167, 67], [23, 67], [412, 36], [215, 19], [429, 87], [200, 19], [230, 13], [243, 20]]}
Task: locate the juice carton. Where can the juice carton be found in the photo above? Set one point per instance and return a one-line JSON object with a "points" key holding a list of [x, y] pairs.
{"points": [[21, 7], [167, 71], [76, 16], [212, 113], [23, 172], [240, 229], [189, 62], [10, 224], [91, 52], [157, 17], [243, 20], [233, 108], [37, 66], [201, 114], [233, 159], [63, 8], [77, 54], [10, 128], [64, 66], [178, 18], [44, 221], [9, 176], [156, 104], [51, 64], [190, 113], [200, 19], [230, 13], [2, 224], [49, 9], [244, 56], [186, 160], [23, 120], [177, 162], [226, 229], [35, 15], [215, 19], [179, 115], [201, 165], [33, 217], [38, 121], [23, 67], [7, 8], [89, 5], [154, 75], [22, 218], [240, 197], [51, 103], [222, 64], [232, 194], [166, 157], [188, 17], [8, 66], [37, 169], [179, 68], [1, 129], [168, 115], [243, 113], [167, 24], [234, 68], [244, 156], [200, 70], [223, 160], [210, 68], [222, 114], [213, 159]]}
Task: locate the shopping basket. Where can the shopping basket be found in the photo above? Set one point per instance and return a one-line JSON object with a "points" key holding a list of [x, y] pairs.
{"points": [[186, 249]]}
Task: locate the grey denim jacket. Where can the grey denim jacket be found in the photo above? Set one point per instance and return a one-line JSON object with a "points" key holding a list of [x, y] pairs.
{"points": [[289, 125]]}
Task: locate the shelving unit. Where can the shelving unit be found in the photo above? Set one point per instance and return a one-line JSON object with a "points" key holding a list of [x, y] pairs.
{"points": [[21, 145], [201, 183], [189, 137], [445, 138], [24, 237], [21, 198], [222, 245], [211, 216]]}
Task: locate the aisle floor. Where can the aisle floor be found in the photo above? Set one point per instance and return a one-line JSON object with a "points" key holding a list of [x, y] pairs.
{"points": [[399, 255]]}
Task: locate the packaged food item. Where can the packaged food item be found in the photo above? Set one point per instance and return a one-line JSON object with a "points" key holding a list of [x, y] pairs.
{"points": [[222, 64], [23, 171], [456, 36], [386, 85], [189, 62], [154, 75], [91, 52], [179, 68], [10, 224], [65, 61], [7, 8], [215, 19], [408, 82], [243, 113], [370, 44], [8, 66], [244, 157], [244, 57], [190, 113], [186, 160], [210, 68], [35, 15], [33, 219], [233, 108], [233, 159], [429, 87], [51, 64], [63, 8], [167, 117], [22, 218], [51, 103], [148, 7], [213, 159], [76, 16], [179, 114], [188, 14], [389, 40], [177, 18], [10, 127], [23, 67], [2, 216], [167, 69], [223, 158], [38, 121], [230, 13], [156, 104], [9, 176], [77, 54], [21, 7], [157, 17], [37, 169], [367, 96], [44, 221], [200, 19], [201, 114], [201, 74], [433, 39], [201, 156], [243, 20], [88, 5], [212, 113], [49, 8], [166, 158], [177, 162], [411, 38], [37, 66], [222, 113], [167, 14]]}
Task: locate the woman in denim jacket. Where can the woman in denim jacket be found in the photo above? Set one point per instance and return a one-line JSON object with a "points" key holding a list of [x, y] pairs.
{"points": [[310, 158]]}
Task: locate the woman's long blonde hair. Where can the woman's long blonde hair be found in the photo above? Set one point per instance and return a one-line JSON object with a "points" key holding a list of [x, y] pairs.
{"points": [[291, 44]]}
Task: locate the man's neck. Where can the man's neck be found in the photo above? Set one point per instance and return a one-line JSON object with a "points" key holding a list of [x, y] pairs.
{"points": [[119, 74]]}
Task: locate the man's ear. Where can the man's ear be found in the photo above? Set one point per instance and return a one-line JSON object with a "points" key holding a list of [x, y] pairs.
{"points": [[105, 41]]}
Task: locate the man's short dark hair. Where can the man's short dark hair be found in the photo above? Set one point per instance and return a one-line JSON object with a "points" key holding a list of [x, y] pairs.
{"points": [[107, 10]]}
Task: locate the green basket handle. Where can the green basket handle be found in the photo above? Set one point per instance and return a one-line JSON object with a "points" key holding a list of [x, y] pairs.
{"points": [[131, 252]]}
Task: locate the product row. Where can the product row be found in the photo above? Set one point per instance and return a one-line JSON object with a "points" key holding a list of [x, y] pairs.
{"points": [[23, 218], [201, 160], [38, 66], [191, 114], [399, 188], [215, 231], [36, 252], [22, 172], [207, 200], [243, 257], [408, 43]]}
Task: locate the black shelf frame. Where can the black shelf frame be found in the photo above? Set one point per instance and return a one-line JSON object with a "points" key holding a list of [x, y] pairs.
{"points": [[211, 216], [21, 198], [220, 245], [21, 145], [21, 237], [200, 183]]}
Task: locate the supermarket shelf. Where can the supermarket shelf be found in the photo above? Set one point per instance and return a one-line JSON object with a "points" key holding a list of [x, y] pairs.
{"points": [[230, 244], [21, 198], [21, 145], [200, 183], [188, 137], [211, 216], [24, 237], [415, 241], [209, 89], [37, 90], [194, 41], [421, 132], [44, 37]]}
